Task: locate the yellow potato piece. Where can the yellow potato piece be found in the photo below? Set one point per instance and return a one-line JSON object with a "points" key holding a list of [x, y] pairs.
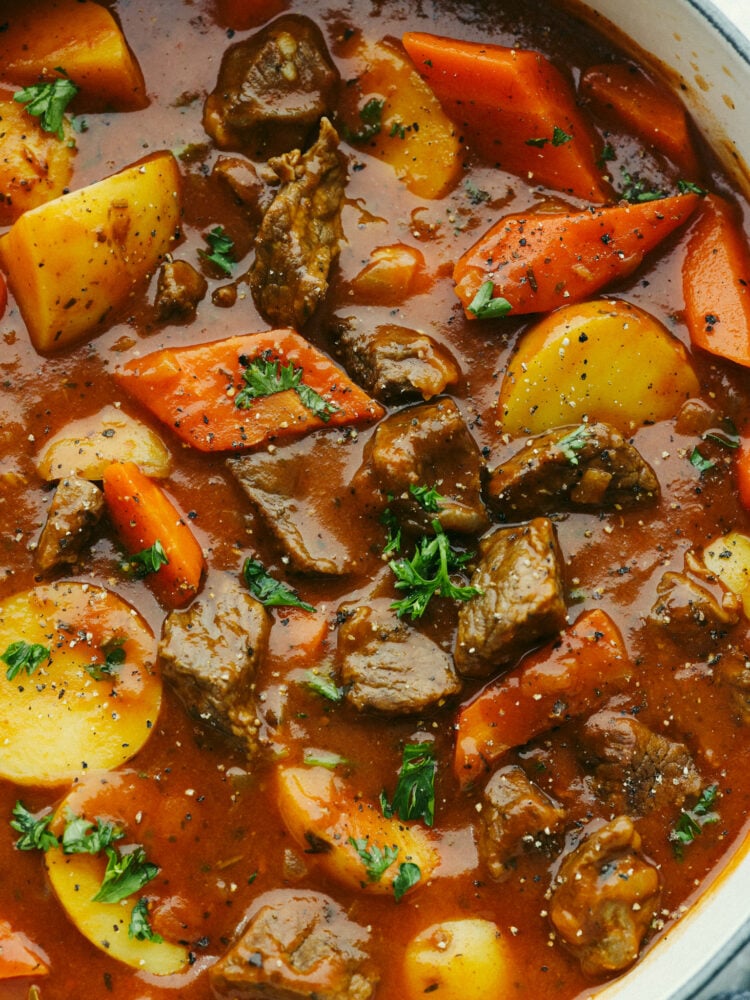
{"points": [[603, 360], [76, 879], [728, 557], [465, 959], [74, 262], [416, 137], [85, 447], [60, 720], [320, 808]]}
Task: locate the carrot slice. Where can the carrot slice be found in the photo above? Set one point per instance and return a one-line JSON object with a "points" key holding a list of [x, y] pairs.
{"points": [[565, 678], [18, 955], [539, 261], [645, 108], [143, 514], [716, 283], [514, 108], [3, 295], [193, 391], [742, 472]]}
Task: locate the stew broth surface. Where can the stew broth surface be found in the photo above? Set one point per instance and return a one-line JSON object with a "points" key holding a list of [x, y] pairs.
{"points": [[212, 819]]}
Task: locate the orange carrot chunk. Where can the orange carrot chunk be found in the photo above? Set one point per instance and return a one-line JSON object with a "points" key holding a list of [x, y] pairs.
{"points": [[716, 283], [742, 472], [143, 515], [647, 109], [203, 394], [539, 261], [3, 295], [514, 108], [567, 677]]}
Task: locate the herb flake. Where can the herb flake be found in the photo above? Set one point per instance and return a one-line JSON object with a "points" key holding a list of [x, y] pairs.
{"points": [[48, 102], [485, 306], [24, 656], [124, 875], [221, 250], [428, 573], [265, 376], [414, 797], [269, 591]]}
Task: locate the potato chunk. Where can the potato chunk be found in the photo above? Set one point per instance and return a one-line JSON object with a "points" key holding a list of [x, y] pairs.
{"points": [[464, 959], [728, 558], [604, 360], [74, 262], [74, 710]]}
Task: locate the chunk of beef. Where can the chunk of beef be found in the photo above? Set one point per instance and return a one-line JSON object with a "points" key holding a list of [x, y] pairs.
{"points": [[298, 239], [396, 364], [242, 179], [179, 289], [587, 466], [388, 666], [272, 89], [294, 498], [210, 653], [732, 669], [521, 600], [515, 814], [694, 606], [297, 946], [636, 769], [605, 897], [429, 445], [74, 512]]}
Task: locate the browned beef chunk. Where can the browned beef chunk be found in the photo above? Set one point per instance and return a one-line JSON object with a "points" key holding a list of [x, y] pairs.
{"points": [[636, 769], [210, 653], [515, 815], [299, 236], [605, 897], [570, 468], [733, 670], [520, 576], [74, 512], [693, 606], [293, 495], [297, 946], [243, 180], [388, 666], [429, 445], [179, 289], [272, 89], [396, 364]]}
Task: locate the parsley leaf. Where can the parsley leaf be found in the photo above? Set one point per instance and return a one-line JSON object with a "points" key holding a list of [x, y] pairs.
{"points": [[699, 462], [269, 591], [371, 116], [147, 560], [393, 541], [691, 822], [408, 876], [114, 657], [124, 875], [608, 153], [222, 250], [637, 190], [48, 101], [139, 927], [264, 376], [427, 497], [377, 860], [34, 833], [689, 187], [428, 573], [81, 836], [324, 685], [573, 442], [560, 137], [414, 797], [484, 306], [23, 655]]}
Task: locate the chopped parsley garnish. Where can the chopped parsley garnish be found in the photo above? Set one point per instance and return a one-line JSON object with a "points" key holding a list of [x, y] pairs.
{"points": [[114, 657], [691, 822], [24, 656], [265, 376], [397, 130], [147, 561], [484, 306], [48, 101], [727, 436], [427, 497], [324, 685], [377, 860], [428, 573], [699, 462], [476, 195], [81, 836], [414, 797], [636, 189], [574, 442], [139, 927], [393, 541], [221, 250], [371, 116], [35, 835], [269, 591], [608, 153], [408, 876], [124, 875], [689, 187], [559, 138]]}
